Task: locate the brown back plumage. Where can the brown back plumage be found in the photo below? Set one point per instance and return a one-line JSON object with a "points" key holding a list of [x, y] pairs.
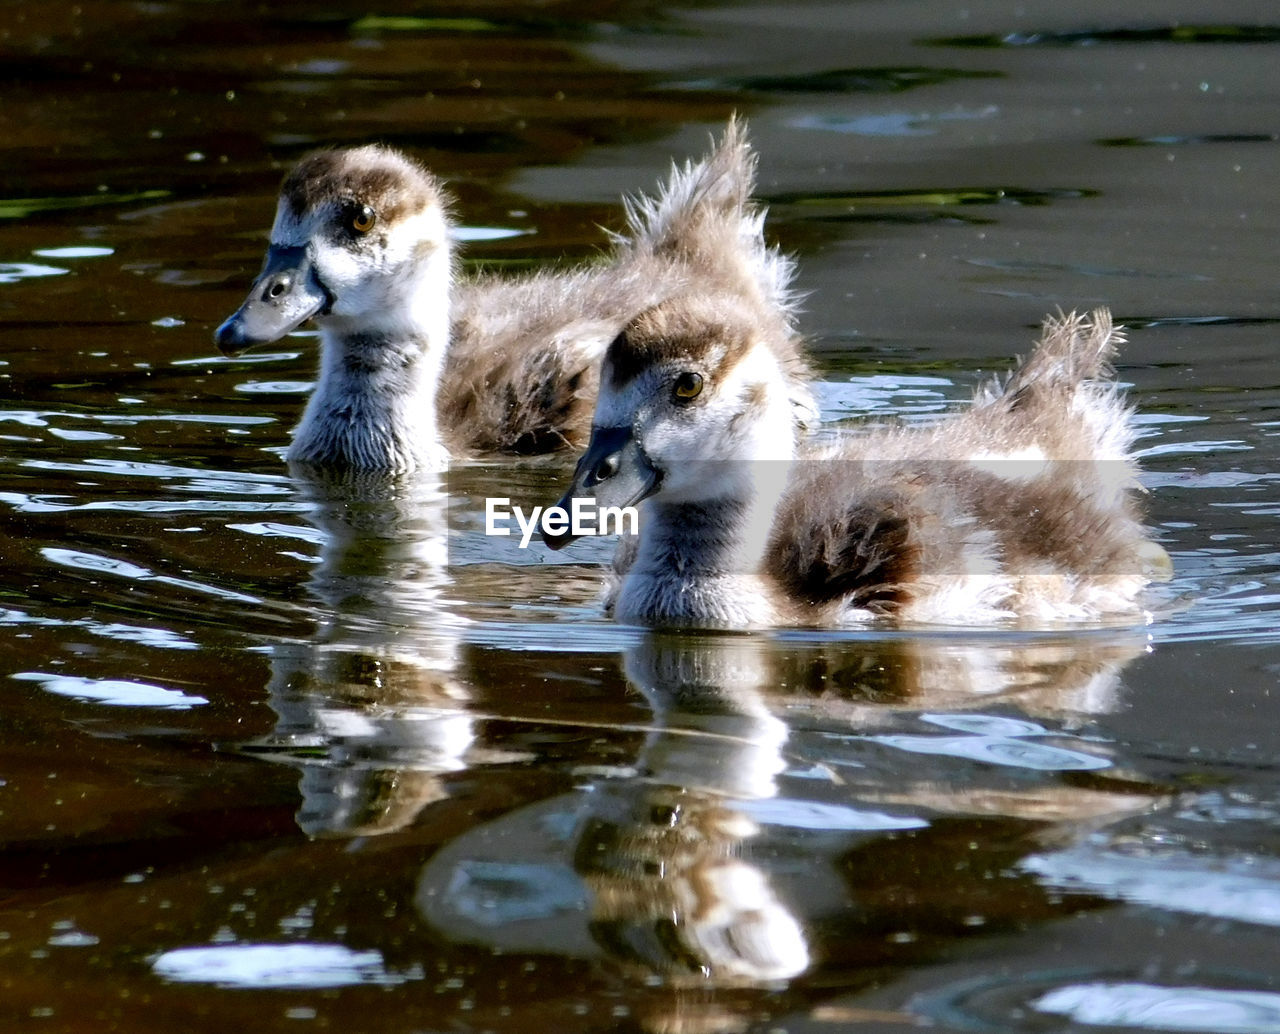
{"points": [[1025, 499]]}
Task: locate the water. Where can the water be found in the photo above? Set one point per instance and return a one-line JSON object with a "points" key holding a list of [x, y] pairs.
{"points": [[283, 755]]}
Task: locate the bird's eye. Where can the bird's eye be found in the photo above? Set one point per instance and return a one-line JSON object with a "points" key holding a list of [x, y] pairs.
{"points": [[363, 218], [688, 385]]}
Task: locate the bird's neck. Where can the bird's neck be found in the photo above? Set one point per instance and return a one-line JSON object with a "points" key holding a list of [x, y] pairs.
{"points": [[374, 403], [703, 539], [701, 563]]}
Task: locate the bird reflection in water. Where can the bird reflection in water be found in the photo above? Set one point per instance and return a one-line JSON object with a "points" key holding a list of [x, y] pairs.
{"points": [[759, 800], [771, 791], [370, 707]]}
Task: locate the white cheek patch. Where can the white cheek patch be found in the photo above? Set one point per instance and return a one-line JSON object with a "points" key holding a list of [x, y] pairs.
{"points": [[752, 382], [756, 365], [405, 240], [762, 427], [1016, 465], [343, 271]]}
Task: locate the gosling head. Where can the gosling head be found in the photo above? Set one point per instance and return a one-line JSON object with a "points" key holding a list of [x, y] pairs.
{"points": [[692, 396], [356, 234]]}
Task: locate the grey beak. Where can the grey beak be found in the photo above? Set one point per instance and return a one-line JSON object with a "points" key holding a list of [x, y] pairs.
{"points": [[614, 471], [286, 294]]}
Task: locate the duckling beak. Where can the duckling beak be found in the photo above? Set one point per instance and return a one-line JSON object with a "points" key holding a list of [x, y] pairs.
{"points": [[614, 471], [286, 294]]}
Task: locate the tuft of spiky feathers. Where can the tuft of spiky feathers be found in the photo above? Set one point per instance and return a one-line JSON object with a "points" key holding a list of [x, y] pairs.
{"points": [[1021, 506], [706, 208], [524, 362]]}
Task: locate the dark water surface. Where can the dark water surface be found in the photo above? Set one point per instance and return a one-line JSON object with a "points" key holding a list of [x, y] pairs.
{"points": [[276, 755]]}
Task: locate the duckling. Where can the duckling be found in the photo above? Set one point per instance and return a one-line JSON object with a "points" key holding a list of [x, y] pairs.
{"points": [[1019, 508], [416, 365]]}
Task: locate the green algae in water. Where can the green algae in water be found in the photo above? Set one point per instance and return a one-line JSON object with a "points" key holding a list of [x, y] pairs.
{"points": [[935, 198], [23, 207], [1133, 34], [409, 23]]}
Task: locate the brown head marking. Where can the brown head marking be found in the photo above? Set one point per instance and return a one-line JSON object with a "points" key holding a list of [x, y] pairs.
{"points": [[385, 180], [712, 333]]}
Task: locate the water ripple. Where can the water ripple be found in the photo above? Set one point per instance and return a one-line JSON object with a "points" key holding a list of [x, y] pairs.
{"points": [[12, 272], [1244, 890], [140, 468], [817, 815], [1153, 1007], [123, 569], [997, 741], [113, 692], [22, 503], [1114, 1000], [1156, 34], [160, 638], [277, 966]]}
